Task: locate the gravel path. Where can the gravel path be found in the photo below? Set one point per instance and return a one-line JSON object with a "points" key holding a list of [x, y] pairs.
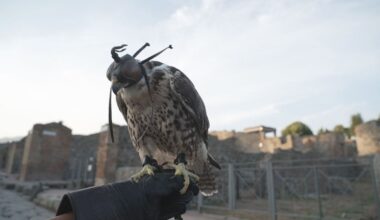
{"points": [[16, 207]]}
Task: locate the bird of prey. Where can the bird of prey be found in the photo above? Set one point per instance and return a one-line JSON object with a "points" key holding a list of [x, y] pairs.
{"points": [[166, 117]]}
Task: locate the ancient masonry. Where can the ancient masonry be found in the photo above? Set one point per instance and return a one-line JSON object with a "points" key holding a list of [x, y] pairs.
{"points": [[51, 152], [255, 140], [46, 152], [368, 138], [15, 152], [82, 160], [113, 157]]}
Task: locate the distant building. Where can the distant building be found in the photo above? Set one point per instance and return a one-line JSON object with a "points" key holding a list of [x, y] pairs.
{"points": [[368, 137], [46, 153], [51, 152], [3, 154], [14, 157], [82, 161], [256, 140], [115, 160], [262, 130]]}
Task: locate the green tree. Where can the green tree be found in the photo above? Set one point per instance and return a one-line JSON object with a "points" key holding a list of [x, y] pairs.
{"points": [[320, 131], [341, 129], [298, 128], [323, 131], [356, 120]]}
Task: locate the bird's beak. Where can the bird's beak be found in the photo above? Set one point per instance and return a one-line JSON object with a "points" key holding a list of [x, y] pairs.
{"points": [[116, 86]]}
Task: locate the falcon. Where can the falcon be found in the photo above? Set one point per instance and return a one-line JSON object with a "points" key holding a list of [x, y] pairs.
{"points": [[166, 117]]}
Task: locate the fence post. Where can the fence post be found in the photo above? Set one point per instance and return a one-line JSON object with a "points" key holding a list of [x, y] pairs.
{"points": [[85, 171], [200, 202], [231, 187], [79, 174], [270, 189], [316, 184], [375, 187]]}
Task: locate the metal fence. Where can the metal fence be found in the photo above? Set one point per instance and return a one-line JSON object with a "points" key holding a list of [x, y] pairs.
{"points": [[309, 189]]}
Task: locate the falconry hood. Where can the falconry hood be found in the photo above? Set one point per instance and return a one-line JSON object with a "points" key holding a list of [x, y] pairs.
{"points": [[126, 71]]}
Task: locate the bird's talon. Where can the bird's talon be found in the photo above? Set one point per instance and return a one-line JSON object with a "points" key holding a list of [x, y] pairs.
{"points": [[194, 177], [180, 170], [146, 170]]}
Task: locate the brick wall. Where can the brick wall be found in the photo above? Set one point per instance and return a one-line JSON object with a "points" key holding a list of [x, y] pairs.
{"points": [[3, 154], [111, 156], [46, 152], [368, 138], [14, 156]]}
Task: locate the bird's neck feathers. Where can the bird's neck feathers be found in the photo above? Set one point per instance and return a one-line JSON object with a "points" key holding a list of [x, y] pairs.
{"points": [[138, 94]]}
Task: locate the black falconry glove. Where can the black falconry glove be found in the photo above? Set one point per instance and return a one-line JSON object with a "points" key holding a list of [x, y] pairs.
{"points": [[152, 198]]}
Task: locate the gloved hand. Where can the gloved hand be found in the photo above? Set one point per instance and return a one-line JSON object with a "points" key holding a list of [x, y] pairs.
{"points": [[152, 198]]}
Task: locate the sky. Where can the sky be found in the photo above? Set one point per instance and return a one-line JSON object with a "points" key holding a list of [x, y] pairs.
{"points": [[256, 62]]}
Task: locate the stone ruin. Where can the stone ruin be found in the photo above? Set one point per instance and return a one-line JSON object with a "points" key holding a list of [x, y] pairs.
{"points": [[46, 152], [52, 152], [112, 157], [255, 140], [368, 138]]}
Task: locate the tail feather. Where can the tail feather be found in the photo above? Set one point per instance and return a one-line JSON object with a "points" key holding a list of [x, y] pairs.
{"points": [[207, 182]]}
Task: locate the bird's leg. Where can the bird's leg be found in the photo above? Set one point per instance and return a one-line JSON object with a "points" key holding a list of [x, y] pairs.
{"points": [[149, 166], [180, 169]]}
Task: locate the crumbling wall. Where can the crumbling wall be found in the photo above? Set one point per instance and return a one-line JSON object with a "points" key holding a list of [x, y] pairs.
{"points": [[3, 154], [241, 141], [368, 138], [376, 167], [14, 157], [128, 155], [223, 135], [248, 142], [111, 156], [46, 152], [326, 145], [309, 143], [271, 145], [82, 162], [331, 144], [106, 155], [229, 151]]}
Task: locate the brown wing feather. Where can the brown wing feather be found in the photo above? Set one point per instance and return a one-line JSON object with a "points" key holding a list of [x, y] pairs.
{"points": [[190, 98]]}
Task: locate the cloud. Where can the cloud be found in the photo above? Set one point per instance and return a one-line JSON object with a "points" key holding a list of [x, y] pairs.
{"points": [[243, 55], [253, 62], [338, 114]]}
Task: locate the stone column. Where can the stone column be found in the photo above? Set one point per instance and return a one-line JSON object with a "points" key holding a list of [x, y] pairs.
{"points": [[10, 158], [107, 156]]}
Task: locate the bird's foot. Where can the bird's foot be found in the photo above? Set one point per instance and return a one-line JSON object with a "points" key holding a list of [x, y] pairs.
{"points": [[180, 170], [149, 166], [146, 170]]}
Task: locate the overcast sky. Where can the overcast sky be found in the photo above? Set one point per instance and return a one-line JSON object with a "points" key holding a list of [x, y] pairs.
{"points": [[253, 62]]}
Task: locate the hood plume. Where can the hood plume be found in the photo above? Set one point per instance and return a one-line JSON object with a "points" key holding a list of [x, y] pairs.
{"points": [[118, 49]]}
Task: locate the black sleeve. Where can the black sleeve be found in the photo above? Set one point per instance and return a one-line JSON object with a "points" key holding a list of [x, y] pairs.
{"points": [[154, 197], [112, 201]]}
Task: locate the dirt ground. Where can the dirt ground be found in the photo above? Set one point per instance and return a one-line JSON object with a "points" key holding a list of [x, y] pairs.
{"points": [[16, 207]]}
